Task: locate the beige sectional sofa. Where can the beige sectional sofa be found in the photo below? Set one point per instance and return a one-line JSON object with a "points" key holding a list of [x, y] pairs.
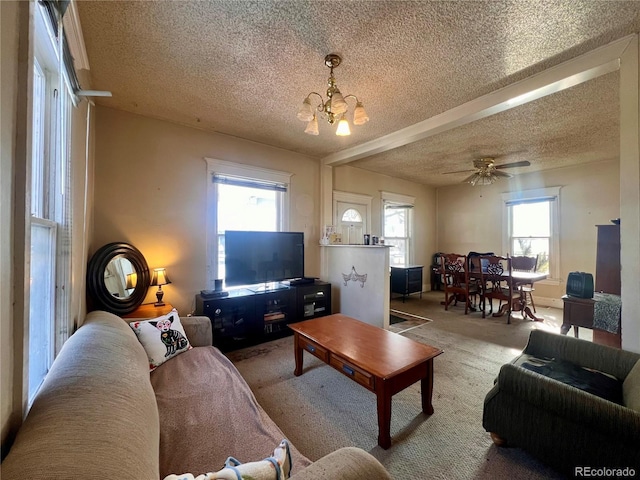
{"points": [[101, 414]]}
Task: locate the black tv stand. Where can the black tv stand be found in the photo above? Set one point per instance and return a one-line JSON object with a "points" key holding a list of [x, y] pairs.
{"points": [[267, 287], [248, 317], [302, 281]]}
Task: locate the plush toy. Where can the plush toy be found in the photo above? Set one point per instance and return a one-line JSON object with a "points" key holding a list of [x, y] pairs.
{"points": [[276, 467]]}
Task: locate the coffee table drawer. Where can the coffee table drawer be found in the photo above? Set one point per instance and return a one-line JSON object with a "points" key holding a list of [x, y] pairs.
{"points": [[363, 378], [314, 349]]}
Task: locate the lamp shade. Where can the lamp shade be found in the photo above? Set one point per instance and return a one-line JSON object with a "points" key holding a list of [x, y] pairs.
{"points": [[343, 128], [312, 127], [132, 280], [338, 104], [306, 111], [359, 115], [160, 277]]}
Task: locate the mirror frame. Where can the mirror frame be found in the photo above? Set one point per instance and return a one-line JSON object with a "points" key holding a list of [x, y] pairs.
{"points": [[96, 287]]}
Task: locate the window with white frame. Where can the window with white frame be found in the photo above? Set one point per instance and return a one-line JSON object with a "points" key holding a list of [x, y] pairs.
{"points": [[242, 197], [397, 227], [531, 227], [50, 225]]}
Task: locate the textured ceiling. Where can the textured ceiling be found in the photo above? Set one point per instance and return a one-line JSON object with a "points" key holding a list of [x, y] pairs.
{"points": [[243, 68]]}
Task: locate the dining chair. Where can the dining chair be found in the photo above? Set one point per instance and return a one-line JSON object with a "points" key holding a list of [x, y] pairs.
{"points": [[526, 264], [455, 270], [498, 284]]}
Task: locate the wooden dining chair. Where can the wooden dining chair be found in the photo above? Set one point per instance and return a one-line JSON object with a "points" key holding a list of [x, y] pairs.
{"points": [[498, 284], [454, 269], [526, 264]]}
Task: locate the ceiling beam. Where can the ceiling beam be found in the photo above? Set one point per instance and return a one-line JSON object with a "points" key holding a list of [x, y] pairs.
{"points": [[588, 66]]}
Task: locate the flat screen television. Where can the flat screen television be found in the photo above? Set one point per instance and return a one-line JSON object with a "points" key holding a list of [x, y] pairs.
{"points": [[251, 258]]}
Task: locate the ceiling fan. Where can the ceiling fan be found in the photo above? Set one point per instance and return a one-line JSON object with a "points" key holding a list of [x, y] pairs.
{"points": [[486, 172]]}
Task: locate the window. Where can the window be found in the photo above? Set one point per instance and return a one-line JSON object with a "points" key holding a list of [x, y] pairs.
{"points": [[397, 227], [241, 197], [50, 240], [531, 227]]}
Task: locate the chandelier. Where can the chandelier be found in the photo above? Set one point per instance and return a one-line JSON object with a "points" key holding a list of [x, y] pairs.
{"points": [[486, 173], [334, 109]]}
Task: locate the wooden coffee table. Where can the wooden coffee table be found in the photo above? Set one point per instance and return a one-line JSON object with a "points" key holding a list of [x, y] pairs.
{"points": [[381, 361]]}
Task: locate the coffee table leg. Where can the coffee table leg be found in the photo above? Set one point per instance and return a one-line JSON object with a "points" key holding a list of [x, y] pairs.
{"points": [[427, 389], [298, 354], [384, 417]]}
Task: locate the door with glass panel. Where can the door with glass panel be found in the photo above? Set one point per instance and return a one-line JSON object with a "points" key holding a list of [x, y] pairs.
{"points": [[351, 222]]}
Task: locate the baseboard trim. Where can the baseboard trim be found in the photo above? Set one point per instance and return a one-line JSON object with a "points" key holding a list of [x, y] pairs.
{"points": [[548, 302]]}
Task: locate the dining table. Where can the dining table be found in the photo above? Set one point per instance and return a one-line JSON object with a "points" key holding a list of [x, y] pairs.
{"points": [[519, 279]]}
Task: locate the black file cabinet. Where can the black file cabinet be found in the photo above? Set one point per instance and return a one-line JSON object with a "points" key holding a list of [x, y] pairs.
{"points": [[406, 280]]}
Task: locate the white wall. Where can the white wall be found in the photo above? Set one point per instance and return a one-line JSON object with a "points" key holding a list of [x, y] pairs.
{"points": [[151, 191]]}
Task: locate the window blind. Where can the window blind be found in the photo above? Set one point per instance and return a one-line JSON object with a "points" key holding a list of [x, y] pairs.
{"points": [[55, 10], [248, 182], [522, 201]]}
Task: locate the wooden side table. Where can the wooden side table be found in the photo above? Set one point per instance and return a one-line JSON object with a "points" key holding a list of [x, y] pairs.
{"points": [[149, 310]]}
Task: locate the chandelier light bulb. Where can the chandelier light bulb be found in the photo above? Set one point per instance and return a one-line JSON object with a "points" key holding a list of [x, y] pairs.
{"points": [[343, 129]]}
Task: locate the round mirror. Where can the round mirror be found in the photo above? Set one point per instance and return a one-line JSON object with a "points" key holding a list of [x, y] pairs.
{"points": [[118, 278]]}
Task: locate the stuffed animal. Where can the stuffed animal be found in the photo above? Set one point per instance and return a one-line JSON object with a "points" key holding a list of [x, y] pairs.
{"points": [[276, 467]]}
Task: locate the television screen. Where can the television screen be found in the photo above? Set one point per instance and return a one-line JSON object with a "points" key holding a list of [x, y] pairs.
{"points": [[260, 257]]}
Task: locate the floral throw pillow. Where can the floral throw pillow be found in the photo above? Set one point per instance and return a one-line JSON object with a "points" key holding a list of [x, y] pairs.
{"points": [[162, 338], [276, 467]]}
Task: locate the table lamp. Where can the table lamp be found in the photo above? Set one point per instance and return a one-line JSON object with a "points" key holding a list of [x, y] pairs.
{"points": [[159, 278]]}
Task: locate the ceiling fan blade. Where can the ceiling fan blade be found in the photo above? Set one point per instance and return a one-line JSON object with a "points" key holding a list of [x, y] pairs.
{"points": [[458, 171], [498, 173], [524, 163]]}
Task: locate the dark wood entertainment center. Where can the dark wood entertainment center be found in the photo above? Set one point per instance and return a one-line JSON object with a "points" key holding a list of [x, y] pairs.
{"points": [[250, 316]]}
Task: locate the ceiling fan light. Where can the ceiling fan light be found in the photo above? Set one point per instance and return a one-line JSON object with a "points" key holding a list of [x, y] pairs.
{"points": [[360, 117], [338, 104], [306, 111], [343, 128], [312, 127]]}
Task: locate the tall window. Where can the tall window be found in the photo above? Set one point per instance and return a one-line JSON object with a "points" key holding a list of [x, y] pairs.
{"points": [[50, 263], [242, 198], [398, 227], [531, 227]]}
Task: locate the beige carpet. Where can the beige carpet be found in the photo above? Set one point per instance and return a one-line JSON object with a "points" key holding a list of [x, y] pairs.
{"points": [[323, 410]]}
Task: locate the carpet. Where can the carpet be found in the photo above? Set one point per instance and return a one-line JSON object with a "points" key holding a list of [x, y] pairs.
{"points": [[323, 410]]}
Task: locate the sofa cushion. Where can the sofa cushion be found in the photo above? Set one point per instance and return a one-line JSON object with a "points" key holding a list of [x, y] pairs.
{"points": [[162, 338], [210, 414], [631, 388], [586, 379]]}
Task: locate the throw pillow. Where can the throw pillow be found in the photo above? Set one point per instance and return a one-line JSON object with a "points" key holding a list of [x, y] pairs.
{"points": [[162, 338], [276, 467]]}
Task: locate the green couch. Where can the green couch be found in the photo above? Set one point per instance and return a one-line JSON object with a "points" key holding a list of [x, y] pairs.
{"points": [[566, 426]]}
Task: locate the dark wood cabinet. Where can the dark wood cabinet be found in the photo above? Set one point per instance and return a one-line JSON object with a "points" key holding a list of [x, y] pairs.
{"points": [[608, 259], [406, 280]]}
